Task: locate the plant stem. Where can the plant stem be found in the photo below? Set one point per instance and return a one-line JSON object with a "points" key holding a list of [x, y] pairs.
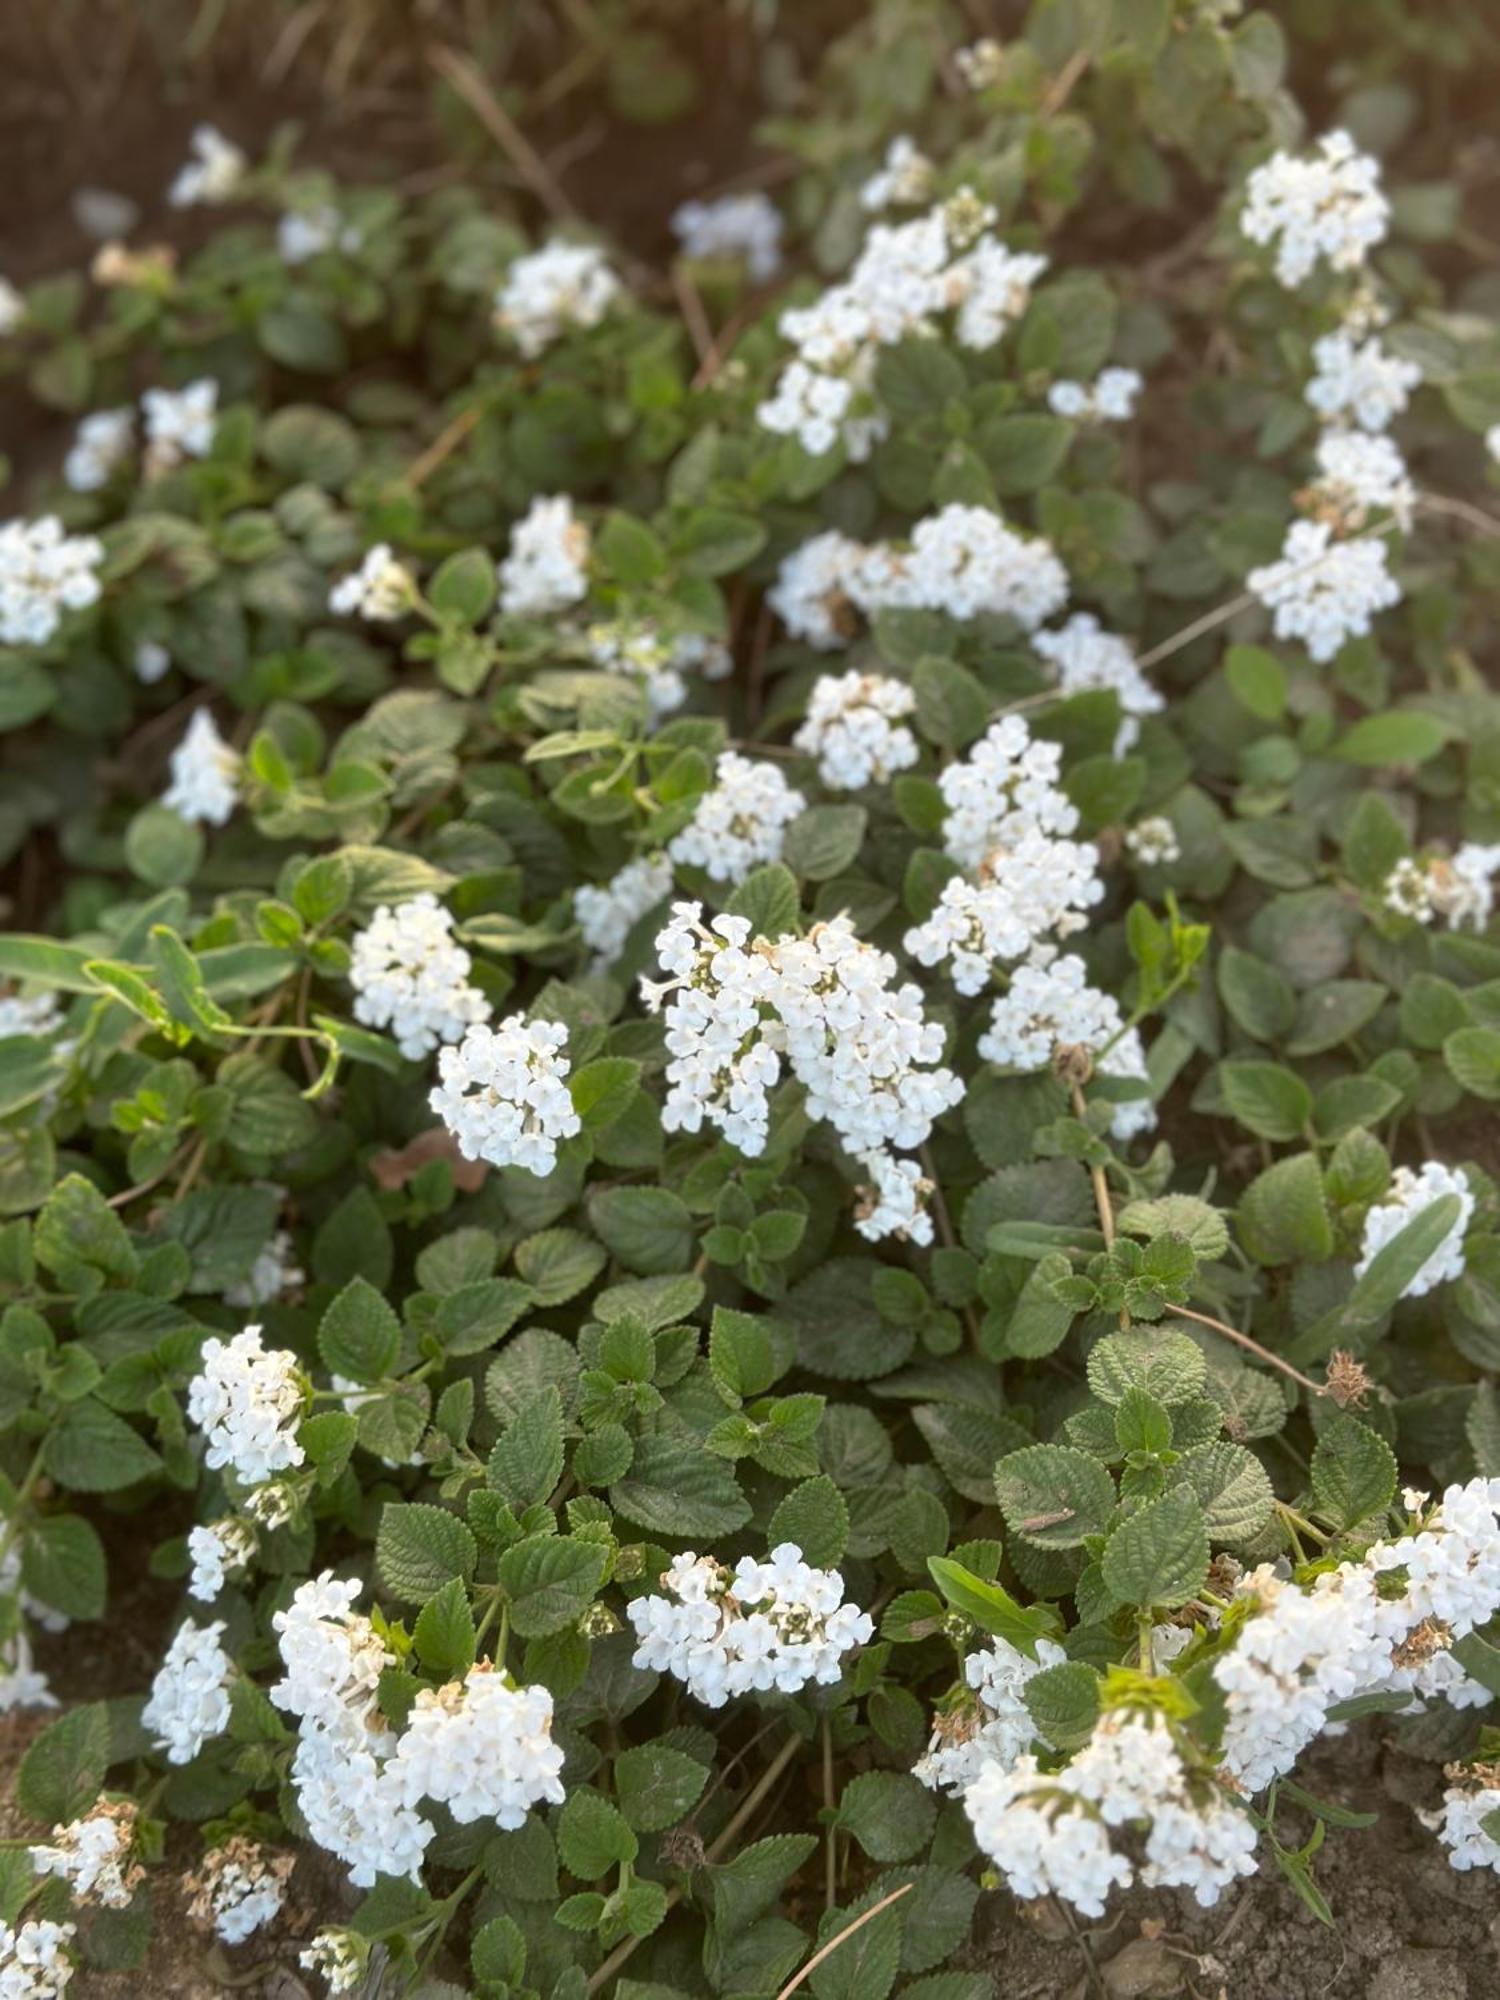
{"points": [[857, 1923], [1097, 1175], [1253, 1347], [830, 1851]]}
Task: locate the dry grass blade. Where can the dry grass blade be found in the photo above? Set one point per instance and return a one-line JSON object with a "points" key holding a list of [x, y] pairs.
{"points": [[465, 78], [827, 1951]]}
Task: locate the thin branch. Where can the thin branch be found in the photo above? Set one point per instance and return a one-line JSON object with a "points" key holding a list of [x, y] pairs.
{"points": [[694, 317], [1460, 510], [465, 78], [858, 1924], [443, 446], [1097, 1175], [1253, 1347]]}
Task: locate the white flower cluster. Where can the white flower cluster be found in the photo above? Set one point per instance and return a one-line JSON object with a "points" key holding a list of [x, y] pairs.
{"points": [[606, 913], [22, 1684], [764, 1627], [35, 1014], [411, 975], [215, 1549], [1049, 1832], [1007, 787], [1034, 888], [904, 181], [340, 1956], [92, 1855], [906, 278], [247, 1401], [1322, 591], [1459, 888], [854, 729], [639, 652], [103, 443], [824, 1005], [546, 569], [1408, 1196], [274, 1272], [964, 561], [893, 1202], [1358, 382], [44, 573], [381, 589], [239, 1889], [1153, 842], [741, 822], [560, 286], [481, 1747], [1086, 656], [213, 173], [1460, 1824], [205, 774], [747, 226], [305, 233], [1326, 209], [1306, 1649], [1109, 399], [1360, 479], [994, 1727], [189, 1702], [1050, 1006], [34, 1961], [503, 1096], [180, 423]]}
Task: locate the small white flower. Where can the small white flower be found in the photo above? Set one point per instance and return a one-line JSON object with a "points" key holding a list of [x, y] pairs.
{"points": [[247, 1400], [213, 173], [854, 728], [302, 234], [34, 1961], [994, 286], [1408, 1195], [44, 574], [180, 423], [189, 1700], [103, 442], [1034, 888], [239, 1889], [1461, 1829], [638, 652], [482, 1748], [92, 1855], [1050, 1006], [340, 1956], [205, 773], [606, 913], [813, 594], [1086, 656], [981, 64], [22, 1684], [503, 1096], [894, 1200], [151, 662], [1153, 842], [547, 567], [1325, 592], [1006, 787], [1459, 888], [381, 589], [560, 286], [741, 822], [1362, 479], [216, 1549], [1326, 209], [1359, 383], [274, 1271], [12, 308], [747, 226], [411, 975], [35, 1014], [905, 180]]}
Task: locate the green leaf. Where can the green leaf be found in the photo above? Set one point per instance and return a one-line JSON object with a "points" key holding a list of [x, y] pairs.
{"points": [[77, 1227], [1231, 1486], [477, 1316], [550, 1581], [62, 1565], [63, 1771], [444, 1631], [657, 1785], [528, 1460], [95, 1451], [1159, 1555], [676, 1488], [1161, 1359], [163, 848], [952, 707], [825, 841], [1021, 453], [889, 1813], [463, 586], [1473, 1059], [1040, 1322], [768, 898], [603, 1090], [1257, 996], [1054, 1495], [592, 1836], [359, 1337], [648, 1228], [815, 1517], [419, 1548], [1063, 1703], [1354, 1472], [558, 1264], [1283, 1216], [1258, 680], [1400, 736], [1268, 1100]]}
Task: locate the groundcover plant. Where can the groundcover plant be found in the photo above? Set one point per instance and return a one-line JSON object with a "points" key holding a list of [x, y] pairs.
{"points": [[742, 1120]]}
